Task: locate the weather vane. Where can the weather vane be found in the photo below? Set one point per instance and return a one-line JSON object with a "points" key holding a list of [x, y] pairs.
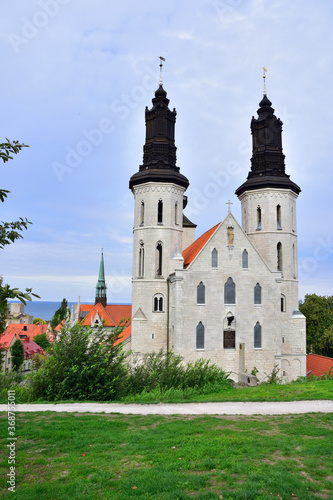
{"points": [[264, 70], [161, 66]]}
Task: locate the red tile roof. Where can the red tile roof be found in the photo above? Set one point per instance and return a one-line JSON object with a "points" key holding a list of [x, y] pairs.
{"points": [[29, 330], [192, 251], [31, 348], [120, 312], [6, 339], [125, 335], [112, 314], [318, 365]]}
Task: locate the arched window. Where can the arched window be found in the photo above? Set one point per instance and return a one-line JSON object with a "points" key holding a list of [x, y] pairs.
{"points": [[283, 303], [279, 256], [214, 257], [258, 218], [257, 294], [278, 217], [176, 213], [201, 293], [257, 335], [142, 214], [160, 212], [141, 260], [245, 259], [158, 303], [159, 259], [229, 292], [200, 344]]}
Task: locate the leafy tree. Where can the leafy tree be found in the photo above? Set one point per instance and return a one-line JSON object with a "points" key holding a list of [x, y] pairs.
{"points": [[39, 321], [60, 314], [9, 233], [83, 363], [17, 354], [42, 341], [318, 311]]}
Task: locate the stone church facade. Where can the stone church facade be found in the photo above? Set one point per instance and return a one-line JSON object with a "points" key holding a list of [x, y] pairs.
{"points": [[231, 295]]}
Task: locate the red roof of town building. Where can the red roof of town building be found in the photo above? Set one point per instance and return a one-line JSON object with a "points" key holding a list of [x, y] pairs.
{"points": [[112, 315], [124, 335], [6, 339], [26, 329], [31, 348], [192, 251], [318, 365]]}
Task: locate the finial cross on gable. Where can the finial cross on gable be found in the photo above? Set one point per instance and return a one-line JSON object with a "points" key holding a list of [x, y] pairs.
{"points": [[229, 203]]}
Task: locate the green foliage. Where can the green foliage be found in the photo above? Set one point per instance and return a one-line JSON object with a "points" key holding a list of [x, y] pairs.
{"points": [[83, 364], [17, 354], [60, 314], [39, 321], [164, 371], [11, 293], [319, 323], [42, 341], [37, 361], [273, 378]]}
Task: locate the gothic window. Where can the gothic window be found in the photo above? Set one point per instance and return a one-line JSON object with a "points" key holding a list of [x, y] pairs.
{"points": [[294, 262], [258, 218], [176, 213], [229, 339], [257, 294], [279, 256], [278, 217], [160, 212], [214, 257], [158, 303], [245, 259], [201, 293], [229, 292], [141, 260], [283, 303], [158, 259], [257, 335], [142, 213], [200, 336]]}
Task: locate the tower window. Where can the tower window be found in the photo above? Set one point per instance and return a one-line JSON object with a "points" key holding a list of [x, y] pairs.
{"points": [[245, 259], [158, 303], [278, 217], [201, 293], [229, 292], [141, 260], [283, 303], [160, 212], [294, 262], [142, 213], [258, 218], [159, 255], [214, 258], [279, 256], [229, 339], [257, 294], [200, 343], [176, 213], [257, 336]]}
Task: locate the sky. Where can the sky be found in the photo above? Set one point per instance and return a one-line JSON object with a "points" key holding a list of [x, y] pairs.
{"points": [[76, 78]]}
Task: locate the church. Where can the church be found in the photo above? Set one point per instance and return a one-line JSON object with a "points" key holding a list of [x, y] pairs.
{"points": [[231, 295]]}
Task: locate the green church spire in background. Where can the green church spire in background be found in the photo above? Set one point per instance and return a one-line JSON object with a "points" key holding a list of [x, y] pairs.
{"points": [[101, 285]]}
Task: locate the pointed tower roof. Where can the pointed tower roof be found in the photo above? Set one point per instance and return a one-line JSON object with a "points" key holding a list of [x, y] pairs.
{"points": [[159, 151], [267, 162], [100, 296]]}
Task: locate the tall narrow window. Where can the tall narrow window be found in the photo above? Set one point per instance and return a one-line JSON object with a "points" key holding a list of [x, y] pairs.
{"points": [[200, 344], [160, 212], [278, 217], [245, 259], [292, 220], [257, 294], [158, 303], [141, 260], [176, 213], [201, 293], [257, 335], [159, 255], [229, 292], [214, 257], [279, 256], [142, 214], [294, 262], [283, 303], [258, 218]]}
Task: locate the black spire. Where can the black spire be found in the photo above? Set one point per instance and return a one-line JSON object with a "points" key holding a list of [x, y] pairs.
{"points": [[267, 162], [159, 151]]}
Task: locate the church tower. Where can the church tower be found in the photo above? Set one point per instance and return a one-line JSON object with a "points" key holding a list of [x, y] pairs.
{"points": [[158, 188], [268, 200], [100, 296]]}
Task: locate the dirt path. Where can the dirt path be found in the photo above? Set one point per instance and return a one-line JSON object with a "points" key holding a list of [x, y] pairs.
{"points": [[249, 408]]}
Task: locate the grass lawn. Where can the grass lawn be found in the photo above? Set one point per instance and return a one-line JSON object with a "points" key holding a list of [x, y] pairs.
{"points": [[70, 456]]}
